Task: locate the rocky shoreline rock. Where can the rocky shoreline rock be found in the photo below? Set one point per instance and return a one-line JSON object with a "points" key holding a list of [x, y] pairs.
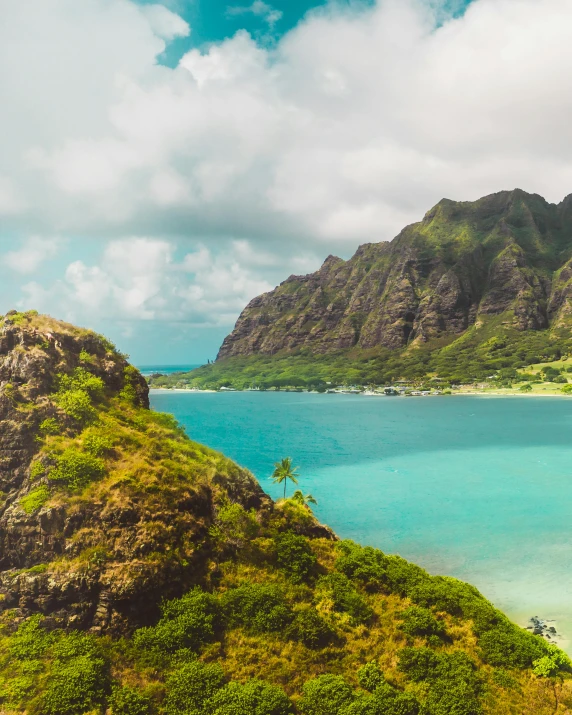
{"points": [[545, 628]]}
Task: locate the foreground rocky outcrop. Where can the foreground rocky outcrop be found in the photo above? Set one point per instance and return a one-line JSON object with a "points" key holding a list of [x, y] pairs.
{"points": [[508, 254], [105, 506]]}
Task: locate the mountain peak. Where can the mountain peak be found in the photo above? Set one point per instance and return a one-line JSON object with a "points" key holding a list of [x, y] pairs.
{"points": [[432, 282]]}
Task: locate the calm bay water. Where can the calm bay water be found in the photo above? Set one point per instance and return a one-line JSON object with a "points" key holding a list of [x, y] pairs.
{"points": [[475, 487]]}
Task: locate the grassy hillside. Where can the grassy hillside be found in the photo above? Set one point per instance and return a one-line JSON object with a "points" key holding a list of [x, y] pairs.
{"points": [[160, 580], [288, 624]]}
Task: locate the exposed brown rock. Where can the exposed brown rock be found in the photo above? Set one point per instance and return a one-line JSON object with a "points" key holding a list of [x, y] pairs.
{"points": [[464, 261]]}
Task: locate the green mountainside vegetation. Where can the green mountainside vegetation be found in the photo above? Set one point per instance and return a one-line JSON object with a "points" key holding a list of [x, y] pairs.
{"points": [[144, 574], [473, 288], [488, 352]]}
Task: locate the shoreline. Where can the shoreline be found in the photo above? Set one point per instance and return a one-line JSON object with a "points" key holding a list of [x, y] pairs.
{"points": [[181, 390]]}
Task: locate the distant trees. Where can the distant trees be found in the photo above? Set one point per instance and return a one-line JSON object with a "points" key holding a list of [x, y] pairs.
{"points": [[284, 471]]}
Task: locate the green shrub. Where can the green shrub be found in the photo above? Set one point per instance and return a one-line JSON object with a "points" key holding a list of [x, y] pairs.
{"points": [[254, 697], [35, 499], [37, 470], [233, 526], [187, 622], [311, 629], [190, 685], [454, 684], [259, 608], [418, 621], [445, 698], [77, 405], [403, 576], [49, 426], [345, 598], [325, 695], [440, 592], [552, 662], [295, 557], [76, 469], [418, 664], [79, 677], [129, 393], [82, 380], [97, 445], [30, 640], [370, 676], [504, 679], [507, 646], [386, 700], [363, 564], [128, 701]]}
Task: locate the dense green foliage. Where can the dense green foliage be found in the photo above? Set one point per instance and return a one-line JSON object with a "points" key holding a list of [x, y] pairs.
{"points": [[188, 622], [71, 674], [258, 608], [295, 557], [491, 350], [79, 677]]}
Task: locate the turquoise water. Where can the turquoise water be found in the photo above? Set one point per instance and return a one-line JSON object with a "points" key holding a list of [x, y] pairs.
{"points": [[475, 487]]}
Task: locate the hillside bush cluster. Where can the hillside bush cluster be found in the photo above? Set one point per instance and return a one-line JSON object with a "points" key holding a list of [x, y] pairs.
{"points": [[344, 597], [75, 668], [501, 642], [454, 683], [295, 557], [332, 695], [76, 394]]}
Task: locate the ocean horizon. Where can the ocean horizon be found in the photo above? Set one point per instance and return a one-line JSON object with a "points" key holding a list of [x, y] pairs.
{"points": [[147, 370]]}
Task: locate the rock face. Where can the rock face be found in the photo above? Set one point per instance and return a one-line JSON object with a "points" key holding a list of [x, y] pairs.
{"points": [[97, 553], [508, 253]]}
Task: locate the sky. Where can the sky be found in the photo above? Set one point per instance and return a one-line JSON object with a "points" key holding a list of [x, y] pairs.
{"points": [[162, 163]]}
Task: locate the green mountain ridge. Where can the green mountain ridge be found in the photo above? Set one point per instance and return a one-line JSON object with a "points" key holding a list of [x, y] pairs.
{"points": [[430, 301], [144, 574]]}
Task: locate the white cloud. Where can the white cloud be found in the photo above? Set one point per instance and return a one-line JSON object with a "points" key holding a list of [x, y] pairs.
{"points": [[355, 124], [140, 279], [259, 8], [164, 23], [30, 256], [351, 126]]}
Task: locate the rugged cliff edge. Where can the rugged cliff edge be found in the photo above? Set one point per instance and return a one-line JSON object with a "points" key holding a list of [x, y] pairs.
{"points": [[506, 254], [103, 501], [144, 574]]}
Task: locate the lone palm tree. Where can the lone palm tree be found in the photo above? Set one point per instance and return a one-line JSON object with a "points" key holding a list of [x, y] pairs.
{"points": [[284, 471], [305, 499]]}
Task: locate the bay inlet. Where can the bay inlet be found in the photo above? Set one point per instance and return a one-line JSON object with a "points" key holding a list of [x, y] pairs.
{"points": [[472, 488]]}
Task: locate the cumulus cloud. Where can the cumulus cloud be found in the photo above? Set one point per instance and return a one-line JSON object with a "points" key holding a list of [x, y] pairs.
{"points": [[142, 279], [30, 256], [351, 126]]}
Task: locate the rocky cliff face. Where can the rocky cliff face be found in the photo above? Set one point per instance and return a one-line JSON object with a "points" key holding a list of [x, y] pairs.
{"points": [[105, 506], [508, 253]]}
